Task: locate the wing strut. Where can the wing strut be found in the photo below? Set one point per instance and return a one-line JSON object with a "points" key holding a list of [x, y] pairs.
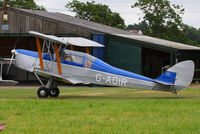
{"points": [[87, 50], [39, 53], [58, 59]]}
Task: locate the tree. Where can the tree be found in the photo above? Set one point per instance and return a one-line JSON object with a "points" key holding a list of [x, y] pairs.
{"points": [[96, 12], [25, 4], [133, 27], [143, 26], [164, 20], [193, 34]]}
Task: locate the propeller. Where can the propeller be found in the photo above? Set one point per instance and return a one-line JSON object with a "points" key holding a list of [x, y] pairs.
{"points": [[13, 54]]}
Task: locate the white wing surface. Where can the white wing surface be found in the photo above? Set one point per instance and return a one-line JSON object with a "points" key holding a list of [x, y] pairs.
{"points": [[76, 41], [47, 37], [81, 42]]}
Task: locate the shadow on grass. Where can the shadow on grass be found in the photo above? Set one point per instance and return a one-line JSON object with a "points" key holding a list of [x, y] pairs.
{"points": [[86, 98], [123, 97]]}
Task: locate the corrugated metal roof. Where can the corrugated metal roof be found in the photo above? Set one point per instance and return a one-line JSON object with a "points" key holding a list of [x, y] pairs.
{"points": [[160, 42], [109, 30], [75, 21]]}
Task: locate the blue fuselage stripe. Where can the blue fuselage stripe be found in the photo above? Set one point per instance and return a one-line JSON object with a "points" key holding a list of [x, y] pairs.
{"points": [[104, 67], [98, 65]]}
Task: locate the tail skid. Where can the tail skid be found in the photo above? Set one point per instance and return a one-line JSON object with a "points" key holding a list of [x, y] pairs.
{"points": [[175, 92], [176, 78]]}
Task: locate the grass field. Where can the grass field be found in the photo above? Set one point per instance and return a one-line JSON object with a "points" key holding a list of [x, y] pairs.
{"points": [[83, 110]]}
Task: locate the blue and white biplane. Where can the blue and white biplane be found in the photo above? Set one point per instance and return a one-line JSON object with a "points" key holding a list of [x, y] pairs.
{"points": [[57, 63]]}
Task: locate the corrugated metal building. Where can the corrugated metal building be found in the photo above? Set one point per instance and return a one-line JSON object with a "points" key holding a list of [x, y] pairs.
{"points": [[136, 53]]}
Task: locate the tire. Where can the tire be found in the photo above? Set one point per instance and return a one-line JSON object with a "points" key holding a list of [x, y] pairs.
{"points": [[54, 92], [43, 92]]}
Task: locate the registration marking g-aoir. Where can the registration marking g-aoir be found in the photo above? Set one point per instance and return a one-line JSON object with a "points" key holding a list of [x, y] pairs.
{"points": [[117, 81]]}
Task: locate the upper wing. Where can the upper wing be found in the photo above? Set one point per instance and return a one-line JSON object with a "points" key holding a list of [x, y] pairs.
{"points": [[76, 41], [81, 42], [48, 37]]}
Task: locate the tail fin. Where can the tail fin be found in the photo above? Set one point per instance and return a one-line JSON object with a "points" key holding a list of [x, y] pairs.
{"points": [[179, 76]]}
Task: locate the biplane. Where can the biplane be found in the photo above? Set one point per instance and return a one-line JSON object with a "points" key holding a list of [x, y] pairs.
{"points": [[56, 62]]}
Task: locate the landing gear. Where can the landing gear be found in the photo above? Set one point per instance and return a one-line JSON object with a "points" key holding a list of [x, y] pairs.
{"points": [[50, 89], [54, 92], [43, 92]]}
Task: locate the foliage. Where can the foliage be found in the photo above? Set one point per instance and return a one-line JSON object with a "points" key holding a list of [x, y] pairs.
{"points": [[143, 26], [193, 34], [25, 4], [96, 12], [164, 20]]}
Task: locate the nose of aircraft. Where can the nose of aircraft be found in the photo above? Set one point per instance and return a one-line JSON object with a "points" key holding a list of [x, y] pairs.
{"points": [[13, 54], [13, 51]]}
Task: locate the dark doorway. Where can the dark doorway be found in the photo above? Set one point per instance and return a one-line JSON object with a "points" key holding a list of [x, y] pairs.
{"points": [[153, 61]]}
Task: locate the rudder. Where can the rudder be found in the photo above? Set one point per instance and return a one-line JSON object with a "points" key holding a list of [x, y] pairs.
{"points": [[179, 76]]}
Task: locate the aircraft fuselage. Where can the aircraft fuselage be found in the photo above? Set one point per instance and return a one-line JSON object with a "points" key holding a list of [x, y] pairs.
{"points": [[111, 76]]}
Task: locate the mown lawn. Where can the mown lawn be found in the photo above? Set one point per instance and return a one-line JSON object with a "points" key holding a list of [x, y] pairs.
{"points": [[84, 110]]}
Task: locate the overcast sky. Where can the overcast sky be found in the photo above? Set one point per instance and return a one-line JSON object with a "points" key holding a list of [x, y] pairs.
{"points": [[130, 15]]}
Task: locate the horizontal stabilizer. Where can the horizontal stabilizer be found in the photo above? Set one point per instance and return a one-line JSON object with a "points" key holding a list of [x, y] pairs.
{"points": [[179, 76], [167, 78]]}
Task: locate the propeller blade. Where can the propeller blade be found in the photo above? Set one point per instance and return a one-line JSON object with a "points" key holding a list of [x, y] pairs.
{"points": [[13, 54], [16, 42]]}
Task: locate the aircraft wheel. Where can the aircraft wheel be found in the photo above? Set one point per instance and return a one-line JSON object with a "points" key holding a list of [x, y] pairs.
{"points": [[43, 92], [54, 92]]}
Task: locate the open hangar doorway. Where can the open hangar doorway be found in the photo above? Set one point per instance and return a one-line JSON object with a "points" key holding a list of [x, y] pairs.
{"points": [[7, 43], [153, 62]]}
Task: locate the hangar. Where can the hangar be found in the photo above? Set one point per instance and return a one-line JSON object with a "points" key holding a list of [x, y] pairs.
{"points": [[136, 53]]}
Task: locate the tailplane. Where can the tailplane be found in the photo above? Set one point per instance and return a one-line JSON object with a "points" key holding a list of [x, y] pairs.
{"points": [[176, 78]]}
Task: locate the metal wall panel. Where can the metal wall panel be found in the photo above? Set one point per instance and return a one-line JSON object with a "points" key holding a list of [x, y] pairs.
{"points": [[99, 51], [124, 56]]}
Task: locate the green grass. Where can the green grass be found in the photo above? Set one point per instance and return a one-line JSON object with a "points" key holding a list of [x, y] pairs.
{"points": [[86, 110]]}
